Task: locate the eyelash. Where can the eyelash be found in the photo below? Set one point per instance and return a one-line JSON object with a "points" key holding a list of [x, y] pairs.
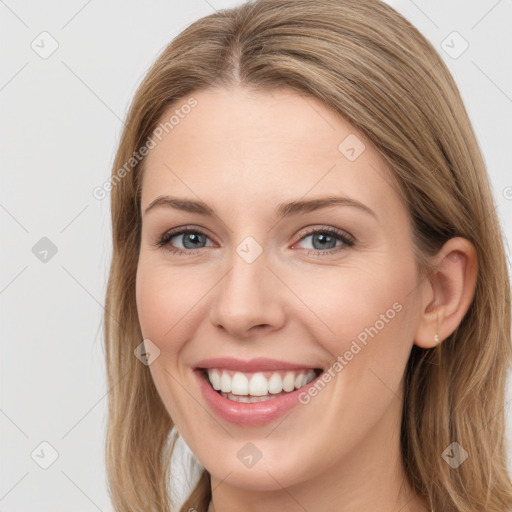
{"points": [[348, 240]]}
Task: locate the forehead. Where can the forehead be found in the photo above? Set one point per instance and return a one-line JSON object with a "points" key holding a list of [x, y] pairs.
{"points": [[241, 146]]}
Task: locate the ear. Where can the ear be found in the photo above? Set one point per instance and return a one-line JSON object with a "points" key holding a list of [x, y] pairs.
{"points": [[447, 292]]}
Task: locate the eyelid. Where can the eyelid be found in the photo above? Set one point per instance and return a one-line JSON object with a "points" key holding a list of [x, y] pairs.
{"points": [[318, 228], [164, 239], [346, 238]]}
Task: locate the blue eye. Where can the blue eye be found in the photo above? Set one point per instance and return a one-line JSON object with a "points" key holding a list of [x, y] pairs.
{"points": [[193, 240], [326, 238], [189, 241]]}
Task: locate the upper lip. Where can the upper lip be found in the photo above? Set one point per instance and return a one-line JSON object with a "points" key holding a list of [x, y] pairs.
{"points": [[252, 365]]}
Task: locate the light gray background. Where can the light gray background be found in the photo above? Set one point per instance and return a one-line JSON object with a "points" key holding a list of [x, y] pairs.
{"points": [[61, 119]]}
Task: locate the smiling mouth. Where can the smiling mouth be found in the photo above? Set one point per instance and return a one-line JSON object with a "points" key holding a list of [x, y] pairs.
{"points": [[251, 387]]}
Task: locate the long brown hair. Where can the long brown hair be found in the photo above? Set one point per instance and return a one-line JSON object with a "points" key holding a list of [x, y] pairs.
{"points": [[369, 64]]}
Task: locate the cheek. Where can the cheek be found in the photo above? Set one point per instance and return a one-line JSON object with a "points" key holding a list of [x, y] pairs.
{"points": [[152, 303], [165, 303], [165, 308], [363, 314]]}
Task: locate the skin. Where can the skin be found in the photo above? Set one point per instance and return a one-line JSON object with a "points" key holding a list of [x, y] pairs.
{"points": [[244, 152]]}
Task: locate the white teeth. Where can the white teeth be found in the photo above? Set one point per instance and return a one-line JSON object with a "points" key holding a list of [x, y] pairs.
{"points": [[289, 381], [275, 384], [225, 382], [247, 399], [214, 379], [256, 384], [239, 384]]}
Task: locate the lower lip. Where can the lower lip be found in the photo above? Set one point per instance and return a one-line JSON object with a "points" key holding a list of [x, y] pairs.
{"points": [[242, 413]]}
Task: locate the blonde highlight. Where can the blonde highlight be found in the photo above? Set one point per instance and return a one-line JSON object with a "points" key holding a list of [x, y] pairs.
{"points": [[371, 66]]}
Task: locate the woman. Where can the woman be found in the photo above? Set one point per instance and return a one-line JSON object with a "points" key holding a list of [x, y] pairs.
{"points": [[308, 266]]}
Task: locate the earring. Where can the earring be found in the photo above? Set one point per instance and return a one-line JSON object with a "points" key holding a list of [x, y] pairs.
{"points": [[436, 338]]}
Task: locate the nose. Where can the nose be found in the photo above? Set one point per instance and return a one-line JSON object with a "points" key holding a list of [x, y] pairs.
{"points": [[248, 299]]}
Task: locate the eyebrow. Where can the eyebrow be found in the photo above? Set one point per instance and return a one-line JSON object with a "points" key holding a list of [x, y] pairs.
{"points": [[281, 211]]}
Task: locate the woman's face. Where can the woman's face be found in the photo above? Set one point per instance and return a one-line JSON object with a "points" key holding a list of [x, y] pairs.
{"points": [[251, 279]]}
